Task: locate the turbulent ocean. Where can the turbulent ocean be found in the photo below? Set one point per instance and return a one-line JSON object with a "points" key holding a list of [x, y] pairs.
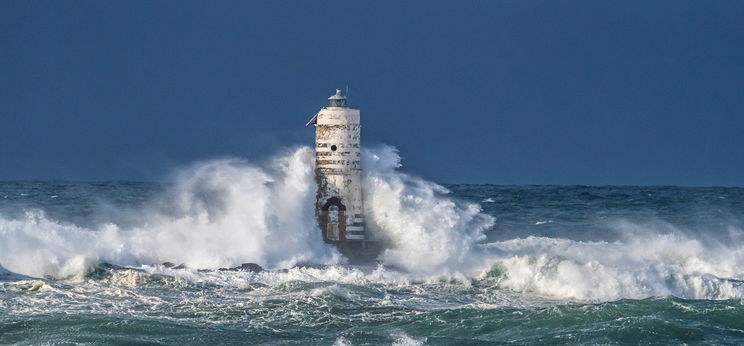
{"points": [[139, 262]]}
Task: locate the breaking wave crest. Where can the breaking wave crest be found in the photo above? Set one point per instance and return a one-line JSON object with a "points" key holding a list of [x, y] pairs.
{"points": [[650, 261]]}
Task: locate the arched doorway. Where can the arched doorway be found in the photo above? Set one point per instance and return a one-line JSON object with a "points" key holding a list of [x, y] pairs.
{"points": [[332, 220]]}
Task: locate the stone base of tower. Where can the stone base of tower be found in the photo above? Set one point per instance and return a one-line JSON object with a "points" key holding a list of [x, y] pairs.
{"points": [[360, 252]]}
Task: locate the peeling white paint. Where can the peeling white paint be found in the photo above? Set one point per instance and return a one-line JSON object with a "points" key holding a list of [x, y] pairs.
{"points": [[338, 168]]}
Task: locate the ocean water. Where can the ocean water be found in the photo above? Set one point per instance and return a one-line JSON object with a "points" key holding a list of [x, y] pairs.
{"points": [[82, 263]]}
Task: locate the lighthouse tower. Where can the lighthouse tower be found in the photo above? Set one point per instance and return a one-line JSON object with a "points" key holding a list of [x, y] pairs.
{"points": [[339, 174]]}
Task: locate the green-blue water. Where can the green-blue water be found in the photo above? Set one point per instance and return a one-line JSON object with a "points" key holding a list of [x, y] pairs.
{"points": [[560, 264]]}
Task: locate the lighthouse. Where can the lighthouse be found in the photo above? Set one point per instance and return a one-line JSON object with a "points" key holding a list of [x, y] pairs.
{"points": [[338, 172]]}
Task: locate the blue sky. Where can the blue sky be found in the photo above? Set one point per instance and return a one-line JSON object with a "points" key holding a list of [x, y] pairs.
{"points": [[502, 92]]}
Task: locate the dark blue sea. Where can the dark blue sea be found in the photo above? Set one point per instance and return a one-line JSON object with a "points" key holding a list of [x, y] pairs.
{"points": [[86, 262]]}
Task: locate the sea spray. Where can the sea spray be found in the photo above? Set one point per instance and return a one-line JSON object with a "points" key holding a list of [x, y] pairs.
{"points": [[217, 213], [427, 231], [225, 212], [222, 213], [37, 246]]}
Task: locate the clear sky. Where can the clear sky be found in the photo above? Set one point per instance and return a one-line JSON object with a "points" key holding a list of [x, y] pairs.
{"points": [[503, 92]]}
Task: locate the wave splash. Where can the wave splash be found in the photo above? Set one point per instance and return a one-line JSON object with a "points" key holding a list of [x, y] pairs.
{"points": [[226, 212], [428, 231], [218, 213]]}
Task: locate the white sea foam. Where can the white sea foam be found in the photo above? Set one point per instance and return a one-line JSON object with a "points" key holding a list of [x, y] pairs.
{"points": [[657, 261], [342, 341], [429, 232], [218, 213], [403, 339], [226, 212]]}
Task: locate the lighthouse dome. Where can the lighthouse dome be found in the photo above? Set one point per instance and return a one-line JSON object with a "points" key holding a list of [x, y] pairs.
{"points": [[337, 100]]}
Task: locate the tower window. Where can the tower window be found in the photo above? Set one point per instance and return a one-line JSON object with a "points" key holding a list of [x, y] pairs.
{"points": [[333, 147]]}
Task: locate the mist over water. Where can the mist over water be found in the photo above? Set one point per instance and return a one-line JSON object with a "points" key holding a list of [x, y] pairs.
{"points": [[474, 253]]}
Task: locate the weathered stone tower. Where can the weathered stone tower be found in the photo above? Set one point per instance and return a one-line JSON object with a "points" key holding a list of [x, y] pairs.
{"points": [[339, 174]]}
